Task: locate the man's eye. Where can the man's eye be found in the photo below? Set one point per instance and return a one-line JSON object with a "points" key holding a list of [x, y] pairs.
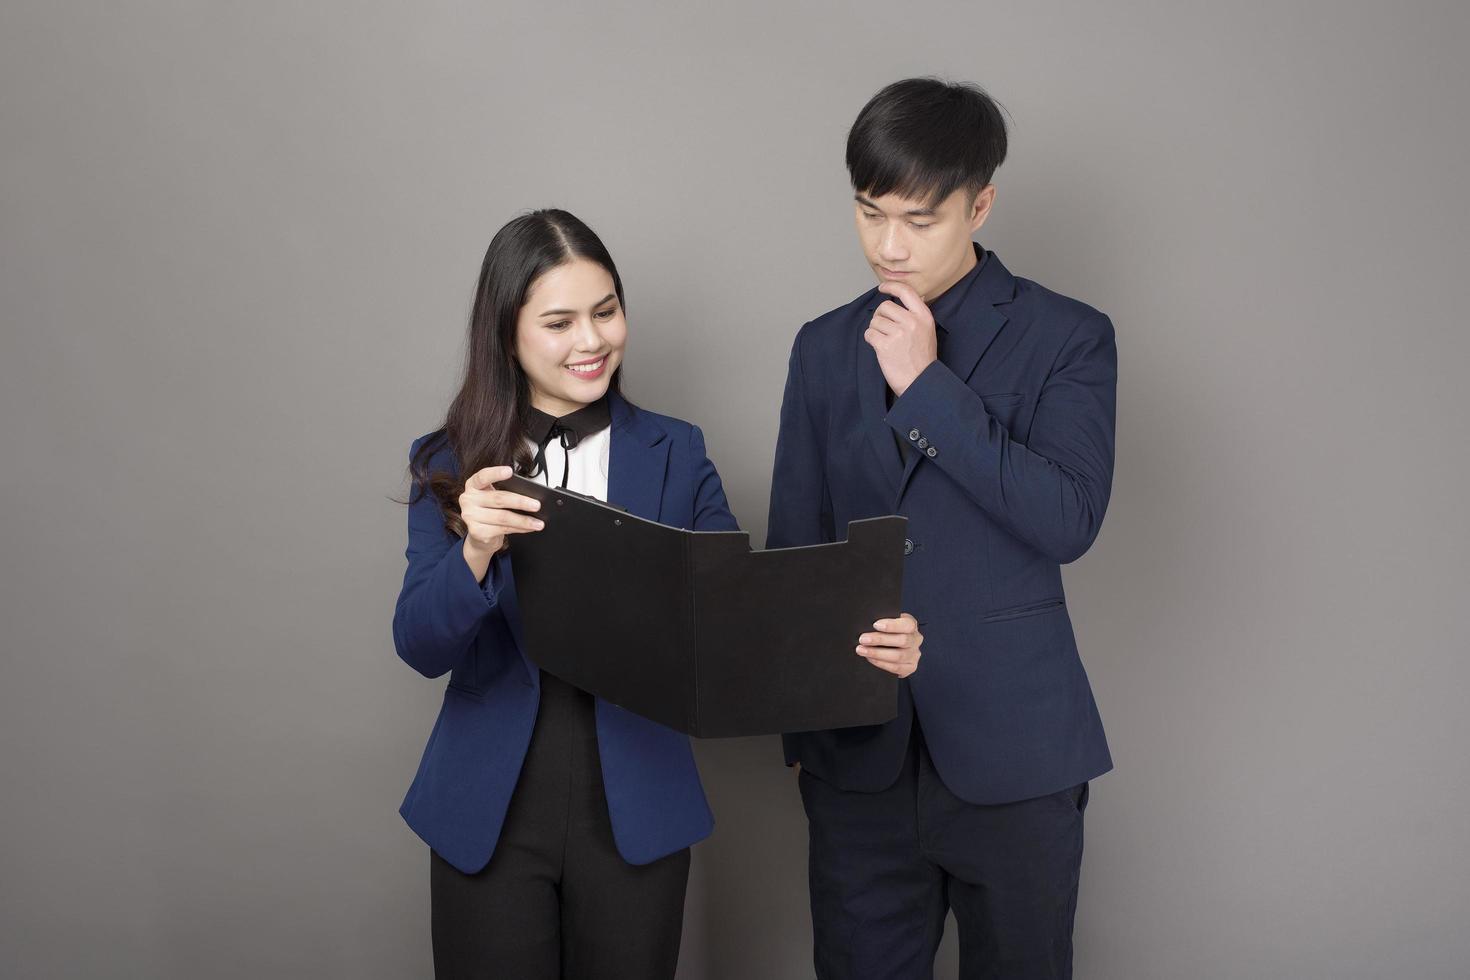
{"points": [[917, 225], [871, 216]]}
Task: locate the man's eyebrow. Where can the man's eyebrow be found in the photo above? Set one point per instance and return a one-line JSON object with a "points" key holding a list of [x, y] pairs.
{"points": [[570, 312], [911, 212]]}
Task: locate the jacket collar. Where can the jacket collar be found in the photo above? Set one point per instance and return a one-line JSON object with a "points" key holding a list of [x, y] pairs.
{"points": [[638, 458]]}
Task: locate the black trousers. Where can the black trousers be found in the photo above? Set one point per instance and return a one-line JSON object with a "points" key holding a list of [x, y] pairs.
{"points": [[885, 869], [556, 899]]}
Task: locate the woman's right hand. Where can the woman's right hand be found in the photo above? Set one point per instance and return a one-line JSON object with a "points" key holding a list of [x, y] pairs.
{"points": [[490, 514]]}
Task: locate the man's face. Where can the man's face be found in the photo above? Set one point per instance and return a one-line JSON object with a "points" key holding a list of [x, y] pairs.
{"points": [[925, 245]]}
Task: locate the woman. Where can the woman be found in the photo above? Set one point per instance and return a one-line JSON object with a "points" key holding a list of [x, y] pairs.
{"points": [[588, 810]]}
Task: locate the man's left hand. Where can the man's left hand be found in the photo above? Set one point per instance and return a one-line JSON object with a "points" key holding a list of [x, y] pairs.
{"points": [[902, 334], [894, 645]]}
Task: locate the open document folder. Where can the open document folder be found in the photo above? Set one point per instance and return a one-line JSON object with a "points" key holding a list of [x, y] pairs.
{"points": [[695, 630]]}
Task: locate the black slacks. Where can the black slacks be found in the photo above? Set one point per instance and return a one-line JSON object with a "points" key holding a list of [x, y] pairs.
{"points": [[885, 869], [556, 899]]}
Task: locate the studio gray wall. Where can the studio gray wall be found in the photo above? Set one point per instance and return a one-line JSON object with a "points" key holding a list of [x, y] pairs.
{"points": [[237, 244]]}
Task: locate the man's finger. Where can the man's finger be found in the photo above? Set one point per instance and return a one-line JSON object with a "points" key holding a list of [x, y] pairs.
{"points": [[887, 655], [889, 310], [906, 294], [886, 639], [904, 624], [883, 327]]}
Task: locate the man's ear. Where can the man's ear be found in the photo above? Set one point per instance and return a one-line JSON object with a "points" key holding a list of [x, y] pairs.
{"points": [[980, 209]]}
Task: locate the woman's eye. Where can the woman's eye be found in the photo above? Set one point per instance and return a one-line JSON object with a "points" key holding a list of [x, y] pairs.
{"points": [[559, 325], [607, 314]]}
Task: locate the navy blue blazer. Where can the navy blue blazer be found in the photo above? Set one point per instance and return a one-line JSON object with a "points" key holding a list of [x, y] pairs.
{"points": [[1006, 474], [447, 621]]}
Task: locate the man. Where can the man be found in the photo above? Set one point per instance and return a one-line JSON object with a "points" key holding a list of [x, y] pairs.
{"points": [[979, 405]]}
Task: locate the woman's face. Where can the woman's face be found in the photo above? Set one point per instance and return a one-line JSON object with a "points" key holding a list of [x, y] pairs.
{"points": [[570, 336]]}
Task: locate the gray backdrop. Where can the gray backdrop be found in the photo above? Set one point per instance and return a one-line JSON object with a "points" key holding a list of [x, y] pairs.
{"points": [[239, 242]]}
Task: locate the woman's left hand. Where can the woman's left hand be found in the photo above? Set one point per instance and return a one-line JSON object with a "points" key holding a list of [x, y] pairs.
{"points": [[893, 645]]}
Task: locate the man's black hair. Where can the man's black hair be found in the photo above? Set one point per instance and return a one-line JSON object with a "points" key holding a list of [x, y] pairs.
{"points": [[924, 138]]}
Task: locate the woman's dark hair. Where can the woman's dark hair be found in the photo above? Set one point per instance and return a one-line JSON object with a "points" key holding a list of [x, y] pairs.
{"points": [[925, 138], [487, 420]]}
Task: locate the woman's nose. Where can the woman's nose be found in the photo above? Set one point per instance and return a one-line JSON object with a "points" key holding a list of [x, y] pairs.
{"points": [[589, 338]]}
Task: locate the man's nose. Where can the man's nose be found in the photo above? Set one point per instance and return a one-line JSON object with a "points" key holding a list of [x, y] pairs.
{"points": [[892, 247]]}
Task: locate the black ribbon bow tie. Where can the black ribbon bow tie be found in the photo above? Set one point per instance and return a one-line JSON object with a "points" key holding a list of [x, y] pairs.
{"points": [[569, 431]]}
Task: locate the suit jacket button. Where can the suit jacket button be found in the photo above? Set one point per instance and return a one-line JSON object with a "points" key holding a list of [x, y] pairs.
{"points": [[931, 452], [913, 434], [923, 443], [908, 546]]}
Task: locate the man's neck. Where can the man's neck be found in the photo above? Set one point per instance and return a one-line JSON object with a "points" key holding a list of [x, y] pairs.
{"points": [[969, 262]]}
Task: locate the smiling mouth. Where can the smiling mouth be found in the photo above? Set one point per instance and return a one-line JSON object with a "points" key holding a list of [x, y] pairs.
{"points": [[588, 368]]}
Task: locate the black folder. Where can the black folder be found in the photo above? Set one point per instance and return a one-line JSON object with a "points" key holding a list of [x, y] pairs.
{"points": [[696, 631]]}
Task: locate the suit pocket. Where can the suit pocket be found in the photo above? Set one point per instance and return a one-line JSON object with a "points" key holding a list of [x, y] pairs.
{"points": [[464, 678], [1020, 612], [1009, 409]]}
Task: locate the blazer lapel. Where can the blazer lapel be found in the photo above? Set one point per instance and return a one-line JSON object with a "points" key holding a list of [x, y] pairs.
{"points": [[972, 323], [638, 458], [873, 398], [969, 337]]}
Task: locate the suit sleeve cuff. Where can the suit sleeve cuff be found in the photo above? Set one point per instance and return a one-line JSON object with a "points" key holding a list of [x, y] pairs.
{"points": [[465, 599], [490, 585], [934, 396]]}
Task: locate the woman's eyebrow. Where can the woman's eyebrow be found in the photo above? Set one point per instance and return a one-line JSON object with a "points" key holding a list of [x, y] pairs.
{"points": [[570, 312]]}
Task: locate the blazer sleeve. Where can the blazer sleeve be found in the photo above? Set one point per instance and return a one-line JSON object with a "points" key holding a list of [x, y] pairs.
{"points": [[441, 605], [801, 503], [711, 510], [1053, 491]]}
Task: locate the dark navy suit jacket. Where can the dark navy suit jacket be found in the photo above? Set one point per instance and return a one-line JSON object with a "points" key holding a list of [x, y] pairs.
{"points": [[1006, 476], [447, 621]]}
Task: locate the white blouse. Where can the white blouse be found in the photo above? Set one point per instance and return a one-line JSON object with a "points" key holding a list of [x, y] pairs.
{"points": [[588, 462]]}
